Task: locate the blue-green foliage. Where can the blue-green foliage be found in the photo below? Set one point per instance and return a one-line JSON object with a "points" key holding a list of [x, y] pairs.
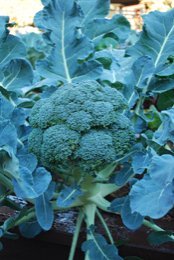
{"points": [[18, 174], [44, 209], [68, 195], [165, 132], [156, 188], [122, 205], [97, 247], [35, 46], [80, 125], [30, 229], [73, 29], [83, 127], [156, 238]]}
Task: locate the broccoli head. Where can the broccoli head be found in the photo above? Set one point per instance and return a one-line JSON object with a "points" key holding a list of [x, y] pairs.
{"points": [[80, 125]]}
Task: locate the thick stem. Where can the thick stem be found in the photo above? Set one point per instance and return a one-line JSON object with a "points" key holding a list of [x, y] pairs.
{"points": [[76, 235], [107, 189], [100, 202], [89, 211], [105, 226]]}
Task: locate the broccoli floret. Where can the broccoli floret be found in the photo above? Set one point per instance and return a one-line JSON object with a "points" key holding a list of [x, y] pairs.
{"points": [[80, 125], [35, 141]]}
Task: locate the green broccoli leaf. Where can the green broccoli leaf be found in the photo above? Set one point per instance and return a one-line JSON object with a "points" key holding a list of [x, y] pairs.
{"points": [[30, 229], [6, 108], [166, 130], [118, 25], [142, 69], [16, 74], [123, 176], [63, 20], [157, 238], [27, 159], [165, 100], [153, 195], [156, 41], [8, 134], [93, 9], [166, 71], [117, 204], [132, 220], [141, 161], [3, 27], [157, 37], [31, 185], [44, 209], [69, 195], [9, 163], [97, 247], [11, 48]]}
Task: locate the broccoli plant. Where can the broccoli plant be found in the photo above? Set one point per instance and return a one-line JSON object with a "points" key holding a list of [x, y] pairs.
{"points": [[78, 132], [97, 116]]}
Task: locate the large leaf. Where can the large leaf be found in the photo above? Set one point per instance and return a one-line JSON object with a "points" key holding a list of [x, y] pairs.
{"points": [[157, 238], [141, 161], [19, 116], [9, 164], [44, 210], [122, 177], [157, 38], [27, 159], [166, 130], [42, 179], [98, 248], [3, 27], [45, 2], [17, 74], [160, 85], [153, 195], [11, 48], [118, 25], [117, 204], [142, 69], [111, 61], [23, 184], [156, 41], [122, 205], [30, 229], [132, 220], [165, 100], [61, 22], [8, 134], [94, 9], [167, 70], [68, 195], [31, 185], [6, 108]]}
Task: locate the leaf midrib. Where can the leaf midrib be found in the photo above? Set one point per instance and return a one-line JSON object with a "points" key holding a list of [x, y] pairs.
{"points": [[69, 80], [98, 246], [163, 46]]}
